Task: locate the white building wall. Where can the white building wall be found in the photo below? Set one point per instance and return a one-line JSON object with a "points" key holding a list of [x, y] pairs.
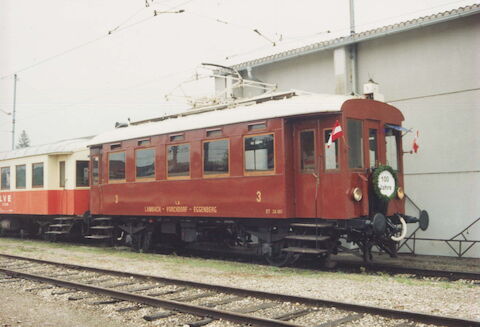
{"points": [[432, 74], [311, 73]]}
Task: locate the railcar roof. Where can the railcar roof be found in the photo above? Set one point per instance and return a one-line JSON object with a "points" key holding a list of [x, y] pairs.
{"points": [[60, 147], [298, 104]]}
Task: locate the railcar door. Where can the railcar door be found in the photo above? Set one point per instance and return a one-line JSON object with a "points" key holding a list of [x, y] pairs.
{"points": [[317, 169], [95, 180], [306, 167]]}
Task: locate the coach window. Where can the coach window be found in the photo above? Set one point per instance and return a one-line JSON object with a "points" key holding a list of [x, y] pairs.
{"points": [[372, 147], [331, 151], [257, 126], [116, 166], [145, 163], [177, 137], [355, 143], [62, 173], [37, 174], [95, 171], [215, 157], [391, 144], [216, 132], [5, 178], [82, 173], [178, 161], [20, 176], [145, 142], [307, 149], [259, 154]]}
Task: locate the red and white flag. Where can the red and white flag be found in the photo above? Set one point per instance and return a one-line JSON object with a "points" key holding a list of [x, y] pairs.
{"points": [[415, 145], [336, 133]]}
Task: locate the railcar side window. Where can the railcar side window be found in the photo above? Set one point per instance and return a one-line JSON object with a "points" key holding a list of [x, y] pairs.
{"points": [[331, 152], [307, 150], [95, 171], [82, 173], [178, 157], [62, 173], [20, 176], [215, 157], [145, 163], [355, 143], [5, 178], [177, 137], [257, 126], [143, 142], [116, 166], [214, 132], [372, 145], [259, 153], [37, 174], [391, 144]]}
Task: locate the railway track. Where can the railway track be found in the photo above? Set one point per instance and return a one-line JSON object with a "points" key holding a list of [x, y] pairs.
{"points": [[415, 271], [356, 266], [200, 304]]}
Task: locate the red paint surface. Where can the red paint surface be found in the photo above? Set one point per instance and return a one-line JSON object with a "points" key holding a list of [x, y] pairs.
{"points": [[45, 202], [284, 194]]}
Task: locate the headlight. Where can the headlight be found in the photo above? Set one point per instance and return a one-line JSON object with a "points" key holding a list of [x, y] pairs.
{"points": [[400, 193], [357, 194]]}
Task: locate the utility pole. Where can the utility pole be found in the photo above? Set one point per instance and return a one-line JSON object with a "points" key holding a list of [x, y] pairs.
{"points": [[353, 50], [13, 112], [352, 18]]}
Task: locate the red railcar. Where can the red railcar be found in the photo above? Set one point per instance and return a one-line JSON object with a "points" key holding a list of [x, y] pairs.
{"points": [[258, 176]]}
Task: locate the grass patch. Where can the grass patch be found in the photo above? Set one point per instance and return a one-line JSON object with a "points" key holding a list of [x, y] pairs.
{"points": [[181, 263]]}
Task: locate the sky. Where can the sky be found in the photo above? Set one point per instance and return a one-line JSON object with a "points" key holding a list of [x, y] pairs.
{"points": [[84, 65]]}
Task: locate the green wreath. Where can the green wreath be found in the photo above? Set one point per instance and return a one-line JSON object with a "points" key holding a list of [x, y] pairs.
{"points": [[376, 189]]}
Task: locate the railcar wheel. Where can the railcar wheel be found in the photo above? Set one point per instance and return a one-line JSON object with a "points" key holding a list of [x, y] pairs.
{"points": [[279, 258], [142, 241]]}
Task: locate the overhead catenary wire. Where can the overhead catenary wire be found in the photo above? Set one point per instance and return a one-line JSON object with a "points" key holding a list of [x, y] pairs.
{"points": [[234, 24], [83, 101], [117, 29], [122, 26]]}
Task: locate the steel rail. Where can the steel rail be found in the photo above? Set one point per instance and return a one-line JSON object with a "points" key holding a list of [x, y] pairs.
{"points": [[386, 312], [155, 302], [450, 274]]}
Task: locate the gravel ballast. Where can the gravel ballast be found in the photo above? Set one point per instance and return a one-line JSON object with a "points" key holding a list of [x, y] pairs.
{"points": [[457, 299]]}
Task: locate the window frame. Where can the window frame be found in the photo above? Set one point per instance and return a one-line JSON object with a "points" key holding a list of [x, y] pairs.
{"points": [[146, 179], [64, 171], [10, 178], [376, 152], [189, 161], [43, 175], [146, 145], [315, 154], [362, 144], [260, 173], [227, 174], [89, 174], [251, 129], [330, 170], [116, 181], [99, 175], [210, 130], [171, 138], [398, 139], [115, 146], [16, 177]]}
